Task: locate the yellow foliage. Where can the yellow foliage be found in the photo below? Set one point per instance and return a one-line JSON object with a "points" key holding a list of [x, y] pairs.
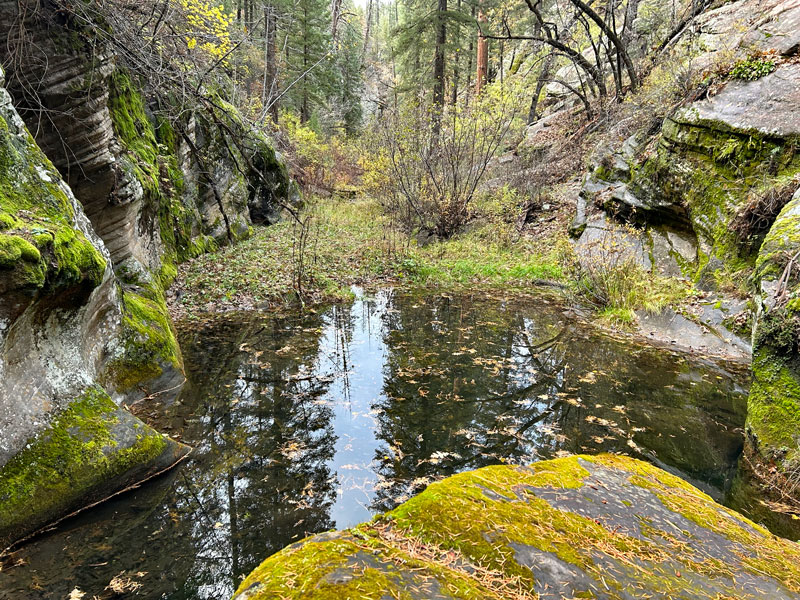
{"points": [[209, 27]]}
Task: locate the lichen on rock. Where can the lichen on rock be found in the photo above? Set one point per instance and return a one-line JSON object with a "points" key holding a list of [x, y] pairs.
{"points": [[604, 527]]}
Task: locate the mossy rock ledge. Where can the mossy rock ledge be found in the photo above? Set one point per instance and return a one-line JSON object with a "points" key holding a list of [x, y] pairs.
{"points": [[64, 443], [604, 527], [90, 451]]}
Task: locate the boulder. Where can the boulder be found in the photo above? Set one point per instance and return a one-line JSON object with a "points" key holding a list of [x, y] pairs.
{"points": [[765, 107], [603, 527]]}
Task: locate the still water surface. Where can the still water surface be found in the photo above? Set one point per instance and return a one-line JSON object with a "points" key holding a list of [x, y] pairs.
{"points": [[303, 423]]}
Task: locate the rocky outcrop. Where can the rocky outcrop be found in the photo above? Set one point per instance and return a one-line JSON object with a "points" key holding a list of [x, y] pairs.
{"points": [[773, 419], [63, 443], [579, 527], [723, 170], [156, 189], [715, 159], [84, 325]]}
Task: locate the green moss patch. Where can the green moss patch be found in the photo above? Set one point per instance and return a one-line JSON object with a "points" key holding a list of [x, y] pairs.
{"points": [[459, 514], [576, 527], [40, 247], [81, 450], [773, 414], [719, 174], [148, 340], [320, 569]]}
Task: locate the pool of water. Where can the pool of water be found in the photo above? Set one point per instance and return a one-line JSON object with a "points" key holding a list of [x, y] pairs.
{"points": [[306, 422]]}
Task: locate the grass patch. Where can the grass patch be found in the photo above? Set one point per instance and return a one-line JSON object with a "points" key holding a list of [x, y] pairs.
{"points": [[609, 274], [352, 242]]}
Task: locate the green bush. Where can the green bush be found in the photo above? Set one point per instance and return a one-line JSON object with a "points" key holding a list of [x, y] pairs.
{"points": [[752, 68]]}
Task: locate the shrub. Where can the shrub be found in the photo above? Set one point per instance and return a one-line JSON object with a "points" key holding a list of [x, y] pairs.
{"points": [[437, 159], [752, 68], [755, 219]]}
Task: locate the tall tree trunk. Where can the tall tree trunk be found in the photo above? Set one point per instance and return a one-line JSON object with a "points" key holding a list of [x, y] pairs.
{"points": [[271, 66], [456, 63], [336, 13], [367, 33], [482, 58], [470, 51], [438, 66], [502, 59], [304, 110], [438, 58]]}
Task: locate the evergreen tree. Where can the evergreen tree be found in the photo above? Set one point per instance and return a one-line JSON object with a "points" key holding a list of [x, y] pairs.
{"points": [[308, 74], [430, 40], [348, 62]]}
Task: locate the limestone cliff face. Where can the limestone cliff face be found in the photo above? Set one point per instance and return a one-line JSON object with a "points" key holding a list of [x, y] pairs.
{"points": [[63, 442]]}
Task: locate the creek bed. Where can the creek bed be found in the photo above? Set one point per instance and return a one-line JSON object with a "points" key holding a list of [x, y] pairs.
{"points": [[307, 422]]}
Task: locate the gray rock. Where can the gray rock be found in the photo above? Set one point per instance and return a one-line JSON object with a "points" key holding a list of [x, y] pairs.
{"points": [[704, 334], [63, 443], [604, 241], [605, 527], [767, 106], [779, 29]]}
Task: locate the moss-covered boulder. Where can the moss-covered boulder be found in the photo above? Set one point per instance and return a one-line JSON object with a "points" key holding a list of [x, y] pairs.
{"points": [[91, 450], [604, 527], [727, 163]]}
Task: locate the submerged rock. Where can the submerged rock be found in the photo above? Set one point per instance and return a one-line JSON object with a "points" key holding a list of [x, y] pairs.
{"points": [[578, 527]]}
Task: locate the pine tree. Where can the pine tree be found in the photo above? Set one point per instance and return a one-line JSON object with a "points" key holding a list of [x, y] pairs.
{"points": [[308, 74], [349, 66], [430, 40]]}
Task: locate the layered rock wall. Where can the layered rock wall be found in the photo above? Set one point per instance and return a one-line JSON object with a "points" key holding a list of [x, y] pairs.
{"points": [[156, 190], [63, 443], [99, 204]]}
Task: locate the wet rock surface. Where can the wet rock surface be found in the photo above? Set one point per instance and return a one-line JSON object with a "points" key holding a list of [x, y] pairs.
{"points": [[606, 527]]}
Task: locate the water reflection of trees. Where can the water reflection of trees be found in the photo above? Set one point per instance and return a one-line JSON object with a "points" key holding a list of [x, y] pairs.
{"points": [[464, 391], [257, 480], [466, 382], [260, 478], [472, 382]]}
